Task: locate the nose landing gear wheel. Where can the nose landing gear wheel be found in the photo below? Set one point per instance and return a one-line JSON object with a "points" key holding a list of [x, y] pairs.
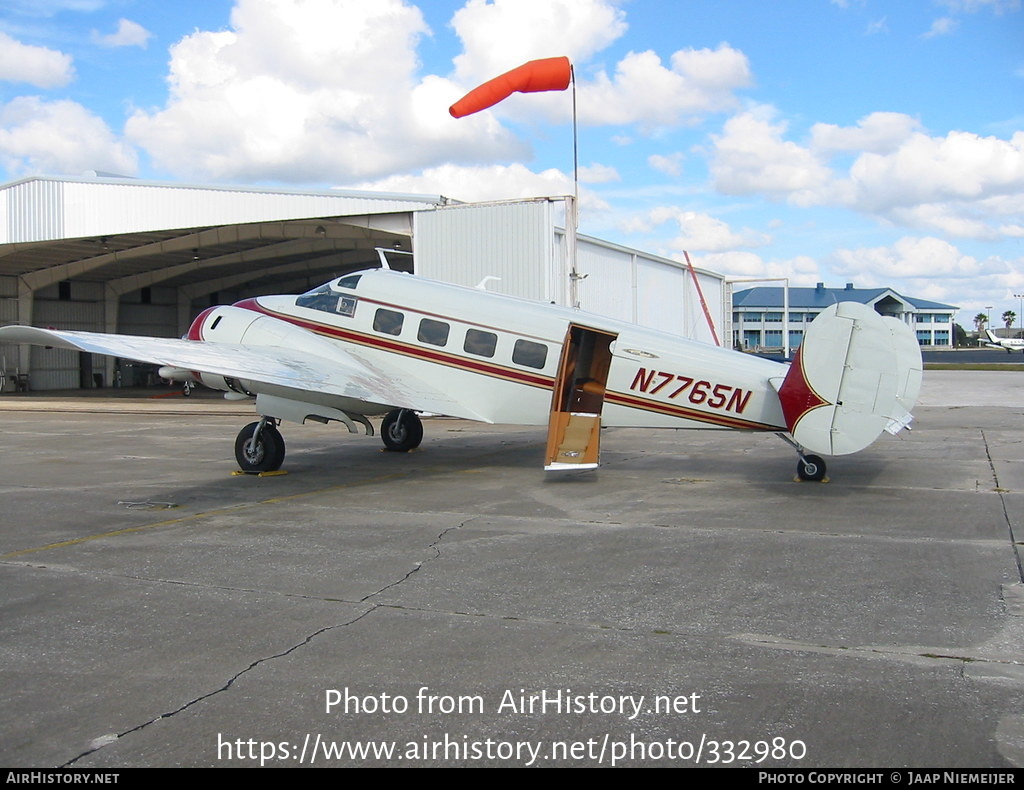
{"points": [[401, 431], [811, 468], [264, 453]]}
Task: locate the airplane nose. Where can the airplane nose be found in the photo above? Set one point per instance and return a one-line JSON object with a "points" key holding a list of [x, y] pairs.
{"points": [[195, 331]]}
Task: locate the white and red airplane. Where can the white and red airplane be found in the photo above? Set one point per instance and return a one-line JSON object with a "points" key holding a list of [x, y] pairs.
{"points": [[382, 342]]}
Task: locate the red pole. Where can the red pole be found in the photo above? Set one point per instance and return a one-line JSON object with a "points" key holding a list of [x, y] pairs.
{"points": [[703, 304]]}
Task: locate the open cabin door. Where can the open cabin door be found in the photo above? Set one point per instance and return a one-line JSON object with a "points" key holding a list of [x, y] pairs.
{"points": [[574, 426]]}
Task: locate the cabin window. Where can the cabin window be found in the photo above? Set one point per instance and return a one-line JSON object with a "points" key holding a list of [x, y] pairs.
{"points": [[388, 322], [349, 282], [433, 332], [530, 354], [482, 344]]}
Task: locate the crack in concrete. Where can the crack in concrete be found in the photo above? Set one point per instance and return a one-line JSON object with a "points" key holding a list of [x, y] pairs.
{"points": [[1000, 491], [416, 568], [225, 687], [106, 741]]}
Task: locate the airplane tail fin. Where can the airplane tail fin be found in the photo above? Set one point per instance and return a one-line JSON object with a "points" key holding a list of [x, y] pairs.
{"points": [[855, 375]]}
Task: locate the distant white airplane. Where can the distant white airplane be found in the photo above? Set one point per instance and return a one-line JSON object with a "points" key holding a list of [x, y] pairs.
{"points": [[1009, 343], [382, 342]]}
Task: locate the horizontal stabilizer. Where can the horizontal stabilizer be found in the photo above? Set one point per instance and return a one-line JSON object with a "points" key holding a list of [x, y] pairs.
{"points": [[855, 375]]}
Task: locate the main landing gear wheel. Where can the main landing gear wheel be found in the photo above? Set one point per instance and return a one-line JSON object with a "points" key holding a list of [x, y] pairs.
{"points": [[401, 431], [264, 453], [811, 467]]}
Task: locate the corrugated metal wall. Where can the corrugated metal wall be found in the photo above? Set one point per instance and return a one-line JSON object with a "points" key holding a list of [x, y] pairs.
{"points": [[465, 244], [40, 209], [8, 315], [123, 208], [609, 287], [518, 242], [646, 290], [158, 318], [55, 368], [34, 211]]}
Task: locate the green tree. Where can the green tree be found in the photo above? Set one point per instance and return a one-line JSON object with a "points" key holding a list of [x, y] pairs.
{"points": [[959, 336], [980, 320], [1008, 318]]}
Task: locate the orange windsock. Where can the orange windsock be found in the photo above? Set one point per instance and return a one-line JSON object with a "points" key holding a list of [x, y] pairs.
{"points": [[547, 74]]}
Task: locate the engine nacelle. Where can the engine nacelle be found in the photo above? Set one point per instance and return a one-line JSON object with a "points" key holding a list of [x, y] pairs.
{"points": [[247, 324]]}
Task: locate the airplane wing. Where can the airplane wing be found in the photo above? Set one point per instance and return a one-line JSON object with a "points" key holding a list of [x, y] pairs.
{"points": [[339, 371]]}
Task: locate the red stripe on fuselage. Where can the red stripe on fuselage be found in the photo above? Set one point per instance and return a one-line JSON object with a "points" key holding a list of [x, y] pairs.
{"points": [[405, 349], [496, 371], [631, 401]]}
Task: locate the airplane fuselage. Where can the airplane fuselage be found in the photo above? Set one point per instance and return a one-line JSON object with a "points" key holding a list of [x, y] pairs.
{"points": [[501, 354], [383, 343], [1009, 343]]}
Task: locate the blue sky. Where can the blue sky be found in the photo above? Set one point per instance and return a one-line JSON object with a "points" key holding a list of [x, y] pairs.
{"points": [[822, 140]]}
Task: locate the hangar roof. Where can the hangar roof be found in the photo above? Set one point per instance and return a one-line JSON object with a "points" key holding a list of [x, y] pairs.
{"points": [[131, 233]]}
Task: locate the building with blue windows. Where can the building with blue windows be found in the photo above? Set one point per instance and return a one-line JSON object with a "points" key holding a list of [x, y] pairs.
{"points": [[759, 321]]}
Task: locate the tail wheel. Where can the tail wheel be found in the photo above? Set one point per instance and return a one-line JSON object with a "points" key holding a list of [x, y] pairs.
{"points": [[264, 453], [811, 467], [401, 431]]}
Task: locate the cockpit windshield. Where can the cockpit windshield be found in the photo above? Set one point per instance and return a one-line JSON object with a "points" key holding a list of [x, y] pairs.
{"points": [[327, 298]]}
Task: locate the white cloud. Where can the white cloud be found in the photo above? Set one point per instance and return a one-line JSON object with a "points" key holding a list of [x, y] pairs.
{"points": [[482, 183], [801, 271], [498, 35], [649, 220], [878, 26], [941, 27], [959, 168], [697, 231], [879, 132], [643, 91], [909, 258], [751, 156], [599, 174], [961, 185], [60, 137], [671, 165], [707, 233], [314, 91], [931, 268], [39, 66], [128, 34]]}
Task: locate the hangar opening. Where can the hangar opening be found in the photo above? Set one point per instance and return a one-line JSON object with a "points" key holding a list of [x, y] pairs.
{"points": [[123, 256]]}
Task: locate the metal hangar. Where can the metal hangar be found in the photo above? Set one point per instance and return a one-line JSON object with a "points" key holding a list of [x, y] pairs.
{"points": [[112, 254]]}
